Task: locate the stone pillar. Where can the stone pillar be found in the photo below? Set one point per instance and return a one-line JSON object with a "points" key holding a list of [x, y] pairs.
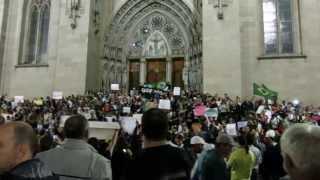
{"points": [[142, 71], [169, 70]]}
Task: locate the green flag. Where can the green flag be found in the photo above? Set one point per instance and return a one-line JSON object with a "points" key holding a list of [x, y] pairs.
{"points": [[264, 92]]}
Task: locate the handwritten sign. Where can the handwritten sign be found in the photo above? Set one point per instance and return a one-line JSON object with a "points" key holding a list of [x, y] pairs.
{"points": [[212, 112], [200, 110], [115, 87], [164, 104], [231, 129], [242, 124], [176, 91], [126, 110], [19, 99], [57, 95]]}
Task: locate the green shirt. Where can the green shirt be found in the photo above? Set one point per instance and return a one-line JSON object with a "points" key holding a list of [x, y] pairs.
{"points": [[241, 164], [214, 167]]}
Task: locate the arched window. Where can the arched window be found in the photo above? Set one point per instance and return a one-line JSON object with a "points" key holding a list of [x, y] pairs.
{"points": [[36, 41]]}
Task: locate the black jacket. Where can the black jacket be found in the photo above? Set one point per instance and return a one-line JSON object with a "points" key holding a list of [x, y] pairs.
{"points": [[33, 169]]}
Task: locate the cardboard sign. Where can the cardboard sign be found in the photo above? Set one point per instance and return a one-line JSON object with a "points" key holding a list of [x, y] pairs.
{"points": [[115, 87], [176, 91], [126, 110], [231, 129], [212, 112], [165, 104], [19, 99], [242, 124], [200, 110], [128, 124], [57, 95]]}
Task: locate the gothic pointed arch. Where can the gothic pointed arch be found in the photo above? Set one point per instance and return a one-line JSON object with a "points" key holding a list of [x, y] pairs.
{"points": [[154, 28], [35, 32]]}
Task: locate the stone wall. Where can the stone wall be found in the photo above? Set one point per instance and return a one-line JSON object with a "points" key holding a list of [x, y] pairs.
{"points": [[221, 50], [67, 54], [233, 48], [293, 78]]}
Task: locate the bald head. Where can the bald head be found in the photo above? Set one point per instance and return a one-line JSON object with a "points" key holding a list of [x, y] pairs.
{"points": [[22, 133], [300, 146], [18, 144]]}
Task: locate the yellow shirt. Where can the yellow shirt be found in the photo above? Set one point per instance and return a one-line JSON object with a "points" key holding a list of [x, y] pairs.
{"points": [[241, 164]]}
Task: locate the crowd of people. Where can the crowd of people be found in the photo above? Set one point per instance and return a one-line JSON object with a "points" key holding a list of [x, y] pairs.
{"points": [[271, 138]]}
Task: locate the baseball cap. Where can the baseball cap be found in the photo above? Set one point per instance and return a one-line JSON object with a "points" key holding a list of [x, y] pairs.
{"points": [[225, 139], [197, 140]]}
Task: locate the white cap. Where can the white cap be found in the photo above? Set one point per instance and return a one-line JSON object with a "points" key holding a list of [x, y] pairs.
{"points": [[197, 140], [271, 134]]}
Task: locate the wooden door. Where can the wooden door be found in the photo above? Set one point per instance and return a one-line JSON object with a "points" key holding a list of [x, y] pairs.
{"points": [[134, 74], [156, 70], [177, 72]]}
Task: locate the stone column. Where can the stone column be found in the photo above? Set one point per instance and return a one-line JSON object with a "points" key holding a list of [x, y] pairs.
{"points": [[142, 71], [169, 70]]}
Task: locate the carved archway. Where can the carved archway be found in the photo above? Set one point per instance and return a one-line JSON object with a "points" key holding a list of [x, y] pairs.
{"points": [[174, 23]]}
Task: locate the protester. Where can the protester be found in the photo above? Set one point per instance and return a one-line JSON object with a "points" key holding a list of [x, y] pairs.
{"points": [[258, 156], [271, 166], [300, 148], [76, 159], [214, 165], [266, 119], [158, 160], [242, 160], [18, 143]]}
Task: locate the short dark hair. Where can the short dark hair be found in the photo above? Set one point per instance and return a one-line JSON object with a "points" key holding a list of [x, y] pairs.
{"points": [[76, 127], [155, 124], [24, 134]]}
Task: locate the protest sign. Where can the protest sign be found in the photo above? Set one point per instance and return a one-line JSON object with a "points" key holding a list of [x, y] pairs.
{"points": [[19, 99], [231, 129], [128, 124], [137, 117], [176, 91], [242, 124], [126, 110], [57, 95], [115, 87], [165, 104], [212, 112], [200, 110]]}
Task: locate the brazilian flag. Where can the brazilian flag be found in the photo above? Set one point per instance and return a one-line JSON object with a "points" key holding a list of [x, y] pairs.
{"points": [[264, 92]]}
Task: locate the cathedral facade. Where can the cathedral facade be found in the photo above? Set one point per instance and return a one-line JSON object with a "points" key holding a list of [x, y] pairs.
{"points": [[215, 46]]}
